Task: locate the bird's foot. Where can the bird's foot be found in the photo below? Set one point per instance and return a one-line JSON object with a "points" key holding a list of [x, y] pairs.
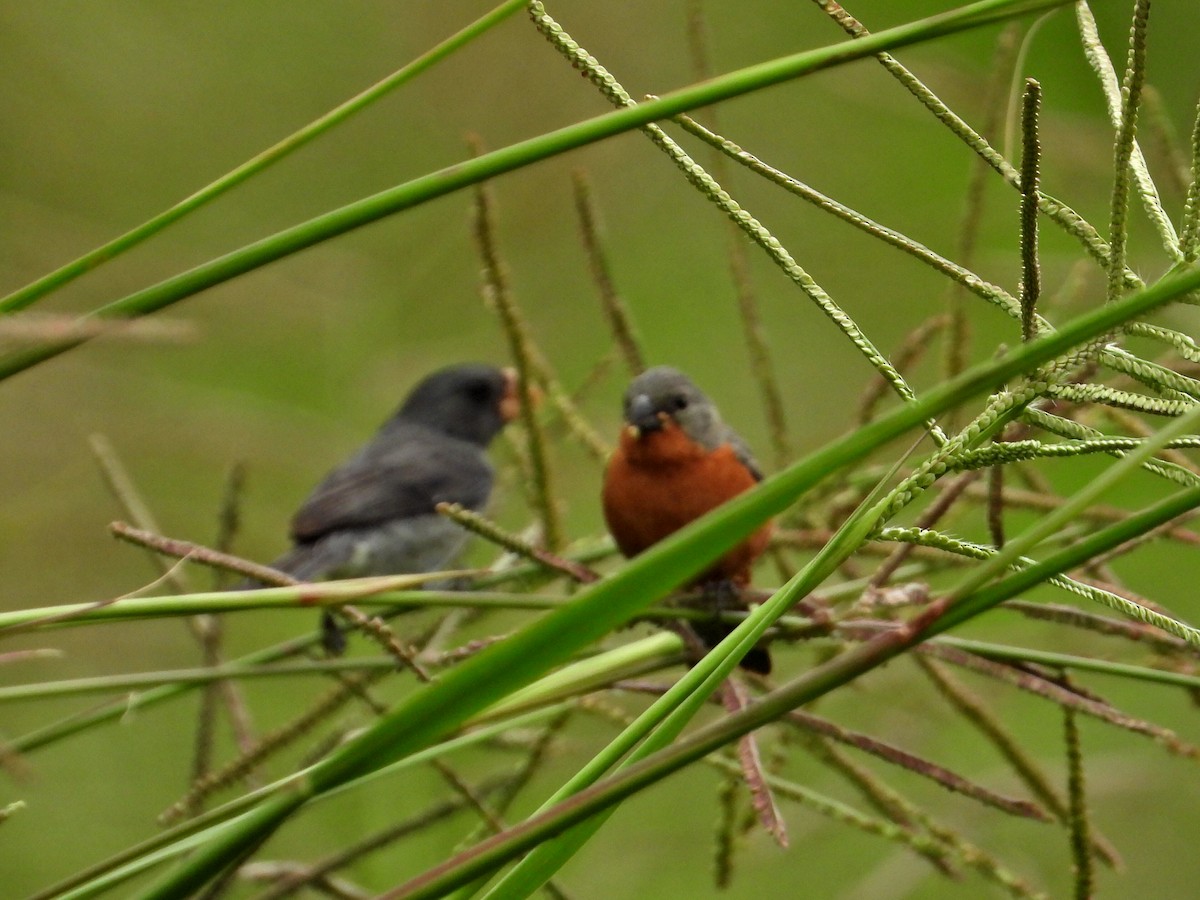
{"points": [[721, 596], [333, 639]]}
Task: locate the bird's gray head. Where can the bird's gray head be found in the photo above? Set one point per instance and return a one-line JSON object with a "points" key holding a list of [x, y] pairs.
{"points": [[471, 402], [663, 394]]}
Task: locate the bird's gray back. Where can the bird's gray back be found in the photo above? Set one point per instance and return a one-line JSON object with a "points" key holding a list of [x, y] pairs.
{"points": [[401, 474]]}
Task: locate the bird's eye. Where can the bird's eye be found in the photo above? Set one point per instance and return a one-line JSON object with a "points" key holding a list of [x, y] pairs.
{"points": [[479, 391], [679, 402]]}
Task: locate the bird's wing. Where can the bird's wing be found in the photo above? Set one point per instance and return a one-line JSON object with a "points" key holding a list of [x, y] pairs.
{"points": [[742, 452], [395, 479]]}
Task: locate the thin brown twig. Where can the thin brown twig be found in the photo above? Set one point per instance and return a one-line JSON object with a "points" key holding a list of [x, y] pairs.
{"points": [[291, 878], [37, 328], [995, 505], [492, 816], [929, 517], [1042, 687], [1031, 276], [373, 626], [1126, 629], [206, 714], [912, 347], [240, 719], [1038, 501], [748, 765], [285, 872], [224, 692], [498, 293], [942, 776], [490, 531], [982, 719], [198, 553], [882, 796], [1081, 841], [753, 331], [735, 698], [615, 311], [474, 800], [120, 485], [995, 487], [536, 756], [270, 744], [890, 753], [970, 855]]}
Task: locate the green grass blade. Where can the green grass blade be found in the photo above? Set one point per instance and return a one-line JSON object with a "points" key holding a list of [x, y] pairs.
{"points": [[31, 293], [182, 838]]}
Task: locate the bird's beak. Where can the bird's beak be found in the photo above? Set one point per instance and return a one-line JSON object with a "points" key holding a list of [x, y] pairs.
{"points": [[643, 417], [510, 401]]}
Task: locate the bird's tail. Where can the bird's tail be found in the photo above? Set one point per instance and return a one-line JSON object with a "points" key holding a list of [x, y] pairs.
{"points": [[724, 596], [757, 660], [309, 562], [304, 562]]}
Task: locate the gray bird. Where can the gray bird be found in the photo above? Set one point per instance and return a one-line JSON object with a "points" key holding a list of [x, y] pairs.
{"points": [[375, 513]]}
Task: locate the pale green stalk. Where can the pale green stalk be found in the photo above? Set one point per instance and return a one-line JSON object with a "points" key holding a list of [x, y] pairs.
{"points": [[1110, 85], [1069, 661]]}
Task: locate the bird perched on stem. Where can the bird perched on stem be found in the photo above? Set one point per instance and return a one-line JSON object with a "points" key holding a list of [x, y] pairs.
{"points": [[375, 514], [677, 460]]}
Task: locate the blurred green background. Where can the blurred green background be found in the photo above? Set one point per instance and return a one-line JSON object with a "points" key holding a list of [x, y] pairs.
{"points": [[113, 111]]}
